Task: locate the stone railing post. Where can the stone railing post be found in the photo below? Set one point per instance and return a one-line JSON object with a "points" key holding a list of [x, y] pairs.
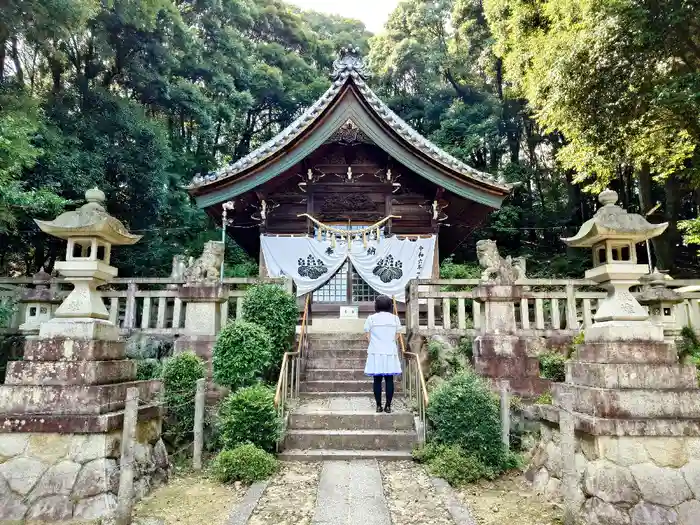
{"points": [[202, 319], [500, 349], [130, 311]]}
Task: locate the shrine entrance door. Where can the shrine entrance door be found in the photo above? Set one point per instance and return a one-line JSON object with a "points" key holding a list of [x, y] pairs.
{"points": [[346, 287]]}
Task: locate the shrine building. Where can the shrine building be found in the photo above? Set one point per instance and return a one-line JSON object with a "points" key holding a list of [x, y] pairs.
{"points": [[349, 200]]}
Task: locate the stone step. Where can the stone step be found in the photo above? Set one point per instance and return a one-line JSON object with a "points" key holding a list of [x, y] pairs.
{"points": [[350, 440], [337, 336], [632, 375], [315, 363], [341, 420], [70, 372], [337, 352], [342, 386], [330, 374], [321, 395], [632, 402], [626, 352], [344, 455], [72, 399], [338, 342]]}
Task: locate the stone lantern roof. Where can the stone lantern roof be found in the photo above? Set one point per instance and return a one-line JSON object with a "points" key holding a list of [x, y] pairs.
{"points": [[613, 222], [655, 290], [90, 220]]}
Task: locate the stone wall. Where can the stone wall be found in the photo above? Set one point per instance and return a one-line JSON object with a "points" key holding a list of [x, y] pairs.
{"points": [[627, 480], [52, 477]]}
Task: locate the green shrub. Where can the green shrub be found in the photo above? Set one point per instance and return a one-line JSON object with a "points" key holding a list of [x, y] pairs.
{"points": [[688, 345], [180, 375], [545, 398], [464, 412], [249, 416], [453, 464], [246, 463], [276, 310], [552, 366], [466, 348], [242, 355], [148, 369]]}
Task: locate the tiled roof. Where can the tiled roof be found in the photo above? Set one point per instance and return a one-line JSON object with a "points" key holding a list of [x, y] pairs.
{"points": [[348, 66]]}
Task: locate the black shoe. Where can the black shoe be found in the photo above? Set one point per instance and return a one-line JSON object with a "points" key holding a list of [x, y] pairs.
{"points": [[387, 409], [379, 409]]}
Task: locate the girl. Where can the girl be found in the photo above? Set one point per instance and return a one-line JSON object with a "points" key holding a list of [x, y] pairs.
{"points": [[382, 331]]}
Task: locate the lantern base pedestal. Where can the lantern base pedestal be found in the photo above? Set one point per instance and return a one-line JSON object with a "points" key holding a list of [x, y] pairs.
{"points": [[610, 331], [79, 328]]}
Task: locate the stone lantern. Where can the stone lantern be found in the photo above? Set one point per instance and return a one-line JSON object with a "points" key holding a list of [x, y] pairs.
{"points": [[90, 232], [62, 405], [39, 303], [613, 234], [661, 301]]}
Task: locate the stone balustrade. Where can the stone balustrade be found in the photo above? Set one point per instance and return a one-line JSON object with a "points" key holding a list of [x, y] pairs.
{"points": [[151, 306], [545, 308]]}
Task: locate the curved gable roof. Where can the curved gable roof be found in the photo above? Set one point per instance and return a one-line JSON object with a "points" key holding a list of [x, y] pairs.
{"points": [[348, 98]]}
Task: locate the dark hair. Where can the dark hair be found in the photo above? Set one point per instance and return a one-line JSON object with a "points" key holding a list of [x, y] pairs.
{"points": [[382, 304]]}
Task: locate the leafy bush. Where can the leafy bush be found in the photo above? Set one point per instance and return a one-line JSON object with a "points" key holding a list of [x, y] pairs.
{"points": [[249, 416], [464, 412], [242, 355], [466, 348], [148, 369], [689, 344], [453, 464], [246, 463], [545, 398], [552, 366], [180, 375], [276, 310]]}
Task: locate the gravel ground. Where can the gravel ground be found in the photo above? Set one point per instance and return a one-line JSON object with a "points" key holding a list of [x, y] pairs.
{"points": [[508, 500], [290, 498], [190, 499], [410, 495]]}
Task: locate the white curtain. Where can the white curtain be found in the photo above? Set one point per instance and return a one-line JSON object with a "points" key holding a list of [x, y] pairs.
{"points": [[386, 265]]}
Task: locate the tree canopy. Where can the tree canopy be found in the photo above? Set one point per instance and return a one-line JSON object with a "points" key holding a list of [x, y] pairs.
{"points": [[563, 97]]}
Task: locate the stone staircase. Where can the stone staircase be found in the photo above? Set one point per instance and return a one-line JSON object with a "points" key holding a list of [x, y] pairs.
{"points": [[335, 417]]}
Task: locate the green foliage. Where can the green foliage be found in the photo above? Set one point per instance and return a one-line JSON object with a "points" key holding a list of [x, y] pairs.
{"points": [[242, 355], [276, 310], [451, 270], [453, 464], [545, 398], [180, 374], [148, 369], [246, 463], [464, 412], [249, 416], [137, 97], [466, 348], [552, 366], [689, 344]]}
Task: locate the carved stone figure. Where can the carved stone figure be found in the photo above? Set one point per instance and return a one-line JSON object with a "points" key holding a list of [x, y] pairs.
{"points": [[498, 270], [207, 268]]}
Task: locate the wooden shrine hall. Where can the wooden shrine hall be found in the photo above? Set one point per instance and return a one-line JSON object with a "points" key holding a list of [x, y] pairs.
{"points": [[348, 174]]}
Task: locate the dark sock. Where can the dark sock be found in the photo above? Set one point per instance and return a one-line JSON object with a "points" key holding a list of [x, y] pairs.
{"points": [[378, 390], [389, 389]]}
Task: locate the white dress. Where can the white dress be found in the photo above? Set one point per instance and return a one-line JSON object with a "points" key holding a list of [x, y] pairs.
{"points": [[383, 352]]}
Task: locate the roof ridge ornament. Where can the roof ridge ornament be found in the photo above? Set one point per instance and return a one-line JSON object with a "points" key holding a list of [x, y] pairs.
{"points": [[349, 60]]}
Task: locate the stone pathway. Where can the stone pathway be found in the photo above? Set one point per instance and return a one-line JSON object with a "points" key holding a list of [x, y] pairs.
{"points": [[411, 496], [350, 493], [358, 492]]}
